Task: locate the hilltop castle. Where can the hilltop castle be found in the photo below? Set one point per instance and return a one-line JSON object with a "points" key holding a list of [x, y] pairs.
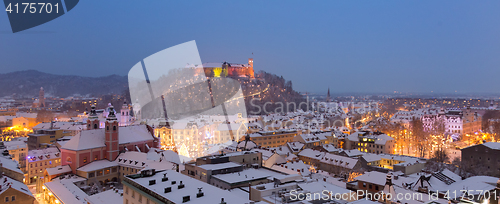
{"points": [[229, 70]]}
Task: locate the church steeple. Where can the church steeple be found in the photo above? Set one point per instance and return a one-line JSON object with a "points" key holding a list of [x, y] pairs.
{"points": [[111, 135], [92, 120], [328, 97]]}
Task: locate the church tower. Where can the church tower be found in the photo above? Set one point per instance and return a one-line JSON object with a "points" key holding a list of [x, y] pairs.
{"points": [[92, 120], [111, 135], [41, 97], [125, 114], [250, 68]]}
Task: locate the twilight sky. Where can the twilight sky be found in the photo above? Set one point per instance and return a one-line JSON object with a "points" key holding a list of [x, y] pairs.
{"points": [[349, 46]]}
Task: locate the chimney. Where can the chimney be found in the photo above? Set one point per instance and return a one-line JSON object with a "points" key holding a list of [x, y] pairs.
{"points": [[250, 190]]}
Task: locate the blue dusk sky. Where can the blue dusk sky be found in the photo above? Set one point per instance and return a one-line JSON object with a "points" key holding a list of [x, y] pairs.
{"points": [[349, 46]]}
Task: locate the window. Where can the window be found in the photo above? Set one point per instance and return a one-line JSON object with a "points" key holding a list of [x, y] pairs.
{"points": [[95, 157], [140, 198], [126, 190], [7, 199], [85, 160], [133, 194], [13, 198]]}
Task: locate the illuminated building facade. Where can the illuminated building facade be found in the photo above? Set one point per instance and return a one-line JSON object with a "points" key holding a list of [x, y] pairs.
{"points": [[273, 138], [370, 142], [472, 121], [229, 70]]}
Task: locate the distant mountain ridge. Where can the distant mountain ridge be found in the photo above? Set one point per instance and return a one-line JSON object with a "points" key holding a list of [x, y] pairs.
{"points": [[27, 84]]}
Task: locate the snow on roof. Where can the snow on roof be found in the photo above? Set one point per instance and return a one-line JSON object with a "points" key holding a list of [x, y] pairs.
{"points": [[331, 148], [310, 138], [6, 118], [242, 176], [372, 157], [312, 153], [106, 197], [133, 133], [26, 115], [61, 125], [281, 150], [212, 194], [478, 183], [338, 160], [143, 160], [226, 127], [219, 166], [295, 146], [58, 170], [87, 139], [298, 167], [43, 154], [274, 159], [320, 186], [97, 165], [284, 170], [10, 164], [169, 155], [12, 145], [374, 177], [492, 145], [90, 139], [6, 182], [66, 191], [353, 153], [265, 153]]}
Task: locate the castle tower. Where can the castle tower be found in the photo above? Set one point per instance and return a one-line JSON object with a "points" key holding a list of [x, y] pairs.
{"points": [[250, 68], [92, 120], [111, 136], [125, 114], [41, 97]]}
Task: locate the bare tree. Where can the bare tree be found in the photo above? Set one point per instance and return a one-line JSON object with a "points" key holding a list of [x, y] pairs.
{"points": [[441, 156], [419, 137]]}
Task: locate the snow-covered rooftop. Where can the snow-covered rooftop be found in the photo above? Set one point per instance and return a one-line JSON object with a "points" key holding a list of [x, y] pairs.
{"points": [[211, 194], [90, 139], [242, 176], [97, 165], [106, 197], [219, 166]]}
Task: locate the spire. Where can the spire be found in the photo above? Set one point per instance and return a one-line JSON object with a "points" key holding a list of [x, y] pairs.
{"points": [[93, 113], [111, 115], [328, 98]]}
